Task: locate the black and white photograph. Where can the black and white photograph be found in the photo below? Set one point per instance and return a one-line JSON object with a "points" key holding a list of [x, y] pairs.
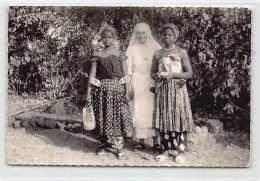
{"points": [[129, 86]]}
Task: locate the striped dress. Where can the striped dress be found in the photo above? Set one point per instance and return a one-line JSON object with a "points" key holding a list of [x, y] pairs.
{"points": [[172, 112]]}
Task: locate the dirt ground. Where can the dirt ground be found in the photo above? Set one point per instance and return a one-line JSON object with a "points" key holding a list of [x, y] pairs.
{"points": [[29, 146]]}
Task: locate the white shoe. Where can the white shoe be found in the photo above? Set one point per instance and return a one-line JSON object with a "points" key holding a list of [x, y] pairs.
{"points": [[161, 157], [179, 159]]}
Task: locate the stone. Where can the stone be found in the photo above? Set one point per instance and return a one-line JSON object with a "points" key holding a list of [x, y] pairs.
{"points": [[25, 124], [40, 123], [11, 121], [205, 130], [77, 128], [32, 123], [51, 124], [214, 125], [17, 124], [61, 125], [197, 129], [59, 107], [193, 138]]}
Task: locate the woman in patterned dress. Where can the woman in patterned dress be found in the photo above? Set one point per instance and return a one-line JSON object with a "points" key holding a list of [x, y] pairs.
{"points": [[109, 96], [172, 112]]}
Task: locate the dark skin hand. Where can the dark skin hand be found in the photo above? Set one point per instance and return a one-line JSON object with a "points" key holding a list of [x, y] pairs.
{"points": [[123, 57], [93, 70]]}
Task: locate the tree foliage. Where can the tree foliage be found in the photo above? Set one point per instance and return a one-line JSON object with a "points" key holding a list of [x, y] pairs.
{"points": [[50, 48]]}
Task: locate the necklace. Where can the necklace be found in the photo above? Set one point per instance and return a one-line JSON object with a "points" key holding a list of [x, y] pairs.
{"points": [[170, 48], [143, 49], [109, 50]]}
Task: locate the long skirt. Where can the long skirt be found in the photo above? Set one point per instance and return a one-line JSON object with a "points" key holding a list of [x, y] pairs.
{"points": [[142, 105], [112, 113], [172, 115]]}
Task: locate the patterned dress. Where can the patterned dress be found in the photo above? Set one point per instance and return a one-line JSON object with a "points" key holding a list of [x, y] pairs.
{"points": [[111, 110], [172, 114]]}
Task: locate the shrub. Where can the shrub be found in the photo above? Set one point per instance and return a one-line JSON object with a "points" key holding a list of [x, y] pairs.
{"points": [[54, 43]]}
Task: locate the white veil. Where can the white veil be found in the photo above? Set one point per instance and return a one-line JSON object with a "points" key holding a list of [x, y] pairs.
{"points": [[150, 44]]}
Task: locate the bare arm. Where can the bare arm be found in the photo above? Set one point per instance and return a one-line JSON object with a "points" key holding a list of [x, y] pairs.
{"points": [[92, 75], [129, 66], [125, 72], [154, 70]]}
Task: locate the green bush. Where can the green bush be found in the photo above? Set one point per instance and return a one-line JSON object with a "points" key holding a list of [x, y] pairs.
{"points": [[57, 41]]}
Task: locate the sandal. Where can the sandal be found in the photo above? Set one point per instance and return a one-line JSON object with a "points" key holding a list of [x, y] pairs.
{"points": [[173, 153], [157, 148], [139, 147], [121, 156], [101, 151], [161, 158]]}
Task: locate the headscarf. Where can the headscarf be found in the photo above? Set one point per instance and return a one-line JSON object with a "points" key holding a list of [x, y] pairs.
{"points": [[150, 43], [110, 28], [173, 27], [145, 28]]}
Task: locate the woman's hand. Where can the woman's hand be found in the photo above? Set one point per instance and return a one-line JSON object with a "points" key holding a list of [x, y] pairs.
{"points": [[88, 97], [169, 76], [127, 96], [181, 83], [156, 76], [94, 51], [123, 56], [131, 94]]}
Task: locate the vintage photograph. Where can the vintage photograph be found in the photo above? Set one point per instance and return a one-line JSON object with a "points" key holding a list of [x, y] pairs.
{"points": [[129, 86]]}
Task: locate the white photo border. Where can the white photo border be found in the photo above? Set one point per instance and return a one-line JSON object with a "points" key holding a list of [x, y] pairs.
{"points": [[133, 173]]}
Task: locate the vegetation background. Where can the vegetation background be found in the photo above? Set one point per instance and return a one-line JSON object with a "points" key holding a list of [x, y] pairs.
{"points": [[49, 49]]}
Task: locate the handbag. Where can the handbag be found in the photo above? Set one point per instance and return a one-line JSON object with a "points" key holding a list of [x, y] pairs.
{"points": [[89, 122]]}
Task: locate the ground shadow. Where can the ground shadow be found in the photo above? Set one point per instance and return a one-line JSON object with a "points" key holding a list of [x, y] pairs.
{"points": [[61, 138], [238, 138], [85, 141]]}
